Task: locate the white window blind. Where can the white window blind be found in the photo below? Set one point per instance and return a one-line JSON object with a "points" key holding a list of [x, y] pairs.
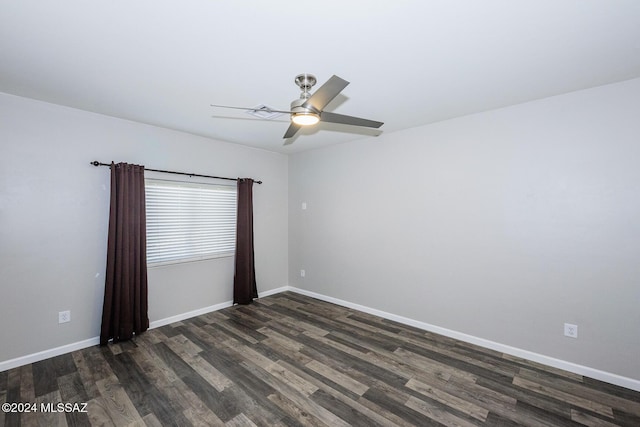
{"points": [[188, 222]]}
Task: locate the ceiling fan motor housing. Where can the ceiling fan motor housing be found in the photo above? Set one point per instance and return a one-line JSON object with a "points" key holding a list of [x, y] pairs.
{"points": [[296, 107], [303, 116]]}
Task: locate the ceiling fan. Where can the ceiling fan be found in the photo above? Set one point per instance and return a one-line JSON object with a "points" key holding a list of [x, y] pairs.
{"points": [[308, 110]]}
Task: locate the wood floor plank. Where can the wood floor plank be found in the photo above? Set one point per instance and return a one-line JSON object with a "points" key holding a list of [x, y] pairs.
{"points": [[210, 374], [297, 397], [564, 396], [338, 377], [48, 418], [92, 368], [245, 332], [257, 409], [364, 371], [280, 372], [202, 337], [471, 369], [71, 388], [3, 381], [534, 415], [282, 340], [301, 321], [174, 388], [184, 344], [149, 361], [263, 312], [527, 405], [291, 360], [582, 391], [391, 417], [589, 420], [45, 378], [13, 396], [297, 413], [436, 413], [356, 352], [115, 404], [240, 421], [390, 403], [214, 400], [150, 420], [342, 394], [353, 340], [230, 329], [374, 322], [202, 419], [78, 419], [247, 353], [3, 399], [146, 398], [229, 362], [480, 395], [434, 367], [445, 398], [343, 410], [27, 388], [382, 357]]}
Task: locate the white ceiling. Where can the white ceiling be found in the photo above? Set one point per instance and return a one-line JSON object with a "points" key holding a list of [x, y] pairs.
{"points": [[410, 63]]}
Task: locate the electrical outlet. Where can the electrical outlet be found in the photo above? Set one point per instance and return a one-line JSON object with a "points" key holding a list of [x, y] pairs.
{"points": [[302, 273], [570, 330], [64, 316]]}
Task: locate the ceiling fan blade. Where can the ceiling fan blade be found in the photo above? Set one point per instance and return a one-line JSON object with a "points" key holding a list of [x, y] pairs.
{"points": [[325, 93], [325, 116], [291, 131], [268, 110]]}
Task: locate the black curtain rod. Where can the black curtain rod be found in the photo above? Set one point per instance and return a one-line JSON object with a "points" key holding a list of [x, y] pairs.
{"points": [[97, 163]]}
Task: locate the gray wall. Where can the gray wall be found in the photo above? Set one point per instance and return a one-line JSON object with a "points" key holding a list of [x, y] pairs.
{"points": [[54, 217], [502, 225]]}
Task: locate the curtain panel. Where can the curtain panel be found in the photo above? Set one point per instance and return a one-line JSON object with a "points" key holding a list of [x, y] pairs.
{"points": [[125, 311], [244, 280]]}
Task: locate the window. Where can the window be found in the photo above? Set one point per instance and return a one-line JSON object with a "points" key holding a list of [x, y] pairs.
{"points": [[189, 222]]}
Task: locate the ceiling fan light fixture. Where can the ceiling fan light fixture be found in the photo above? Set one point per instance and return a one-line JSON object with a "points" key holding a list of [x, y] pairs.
{"points": [[305, 119]]}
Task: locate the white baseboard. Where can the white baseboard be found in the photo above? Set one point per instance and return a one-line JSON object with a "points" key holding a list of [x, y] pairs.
{"points": [[586, 371], [205, 310], [189, 314], [597, 374], [46, 354], [275, 291], [53, 352]]}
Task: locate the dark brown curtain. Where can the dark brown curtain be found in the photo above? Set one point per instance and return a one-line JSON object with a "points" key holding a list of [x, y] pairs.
{"points": [[124, 312], [244, 280]]}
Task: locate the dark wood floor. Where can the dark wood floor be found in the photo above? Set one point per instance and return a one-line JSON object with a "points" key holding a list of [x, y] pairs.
{"points": [[290, 360]]}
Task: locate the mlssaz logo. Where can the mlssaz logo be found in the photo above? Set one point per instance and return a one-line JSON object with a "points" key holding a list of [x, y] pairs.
{"points": [[63, 407]]}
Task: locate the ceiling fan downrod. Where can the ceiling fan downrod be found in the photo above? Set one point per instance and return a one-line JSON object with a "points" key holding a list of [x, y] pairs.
{"points": [[305, 82]]}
